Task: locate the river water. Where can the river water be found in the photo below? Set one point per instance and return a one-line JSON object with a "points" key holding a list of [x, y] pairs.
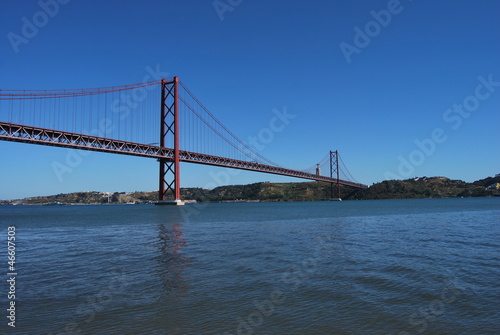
{"points": [[401, 267]]}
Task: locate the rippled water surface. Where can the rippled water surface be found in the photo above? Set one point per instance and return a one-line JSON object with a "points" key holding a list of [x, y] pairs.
{"points": [[398, 267]]}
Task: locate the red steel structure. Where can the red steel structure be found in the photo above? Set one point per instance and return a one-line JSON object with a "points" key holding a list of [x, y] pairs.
{"points": [[28, 134], [168, 152], [169, 126], [335, 171]]}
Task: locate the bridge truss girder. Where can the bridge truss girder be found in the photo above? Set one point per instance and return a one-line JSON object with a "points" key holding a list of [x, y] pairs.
{"points": [[41, 136]]}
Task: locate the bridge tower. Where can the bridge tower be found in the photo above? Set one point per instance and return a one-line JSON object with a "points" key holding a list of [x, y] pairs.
{"points": [[169, 131], [335, 171]]}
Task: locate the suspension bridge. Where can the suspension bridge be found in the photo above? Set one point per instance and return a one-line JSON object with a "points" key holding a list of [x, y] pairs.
{"points": [[159, 119]]}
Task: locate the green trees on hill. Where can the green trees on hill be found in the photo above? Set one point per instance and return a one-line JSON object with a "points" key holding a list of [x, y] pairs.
{"points": [[424, 187]]}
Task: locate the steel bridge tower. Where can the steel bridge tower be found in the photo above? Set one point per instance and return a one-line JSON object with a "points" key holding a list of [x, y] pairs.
{"points": [[335, 171], [170, 181]]}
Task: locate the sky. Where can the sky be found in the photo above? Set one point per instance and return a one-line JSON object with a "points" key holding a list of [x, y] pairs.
{"points": [[400, 88]]}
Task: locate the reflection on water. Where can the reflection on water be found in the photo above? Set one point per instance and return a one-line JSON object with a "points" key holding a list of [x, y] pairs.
{"points": [[359, 267], [172, 261]]}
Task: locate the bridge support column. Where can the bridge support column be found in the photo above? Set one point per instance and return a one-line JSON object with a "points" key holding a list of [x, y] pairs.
{"points": [[335, 171], [169, 128]]}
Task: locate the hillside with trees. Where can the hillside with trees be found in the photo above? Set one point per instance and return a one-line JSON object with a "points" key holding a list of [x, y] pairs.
{"points": [[423, 187]]}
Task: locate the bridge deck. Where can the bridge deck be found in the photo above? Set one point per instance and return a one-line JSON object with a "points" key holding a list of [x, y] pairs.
{"points": [[41, 136]]}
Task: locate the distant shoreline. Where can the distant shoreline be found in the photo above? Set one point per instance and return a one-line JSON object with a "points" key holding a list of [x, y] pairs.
{"points": [[415, 188], [232, 202]]}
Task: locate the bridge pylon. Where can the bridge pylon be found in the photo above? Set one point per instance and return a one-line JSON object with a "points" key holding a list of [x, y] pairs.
{"points": [[169, 132], [335, 172]]}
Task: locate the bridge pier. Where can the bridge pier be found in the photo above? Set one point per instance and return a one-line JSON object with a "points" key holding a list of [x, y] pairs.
{"points": [[170, 202], [169, 126]]}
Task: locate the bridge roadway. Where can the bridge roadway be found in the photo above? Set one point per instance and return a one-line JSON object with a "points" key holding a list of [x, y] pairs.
{"points": [[41, 136]]}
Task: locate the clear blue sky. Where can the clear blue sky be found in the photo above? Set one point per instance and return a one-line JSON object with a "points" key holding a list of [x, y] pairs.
{"points": [[370, 99]]}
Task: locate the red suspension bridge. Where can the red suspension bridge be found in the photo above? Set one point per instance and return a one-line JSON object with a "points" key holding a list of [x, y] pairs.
{"points": [[126, 120]]}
